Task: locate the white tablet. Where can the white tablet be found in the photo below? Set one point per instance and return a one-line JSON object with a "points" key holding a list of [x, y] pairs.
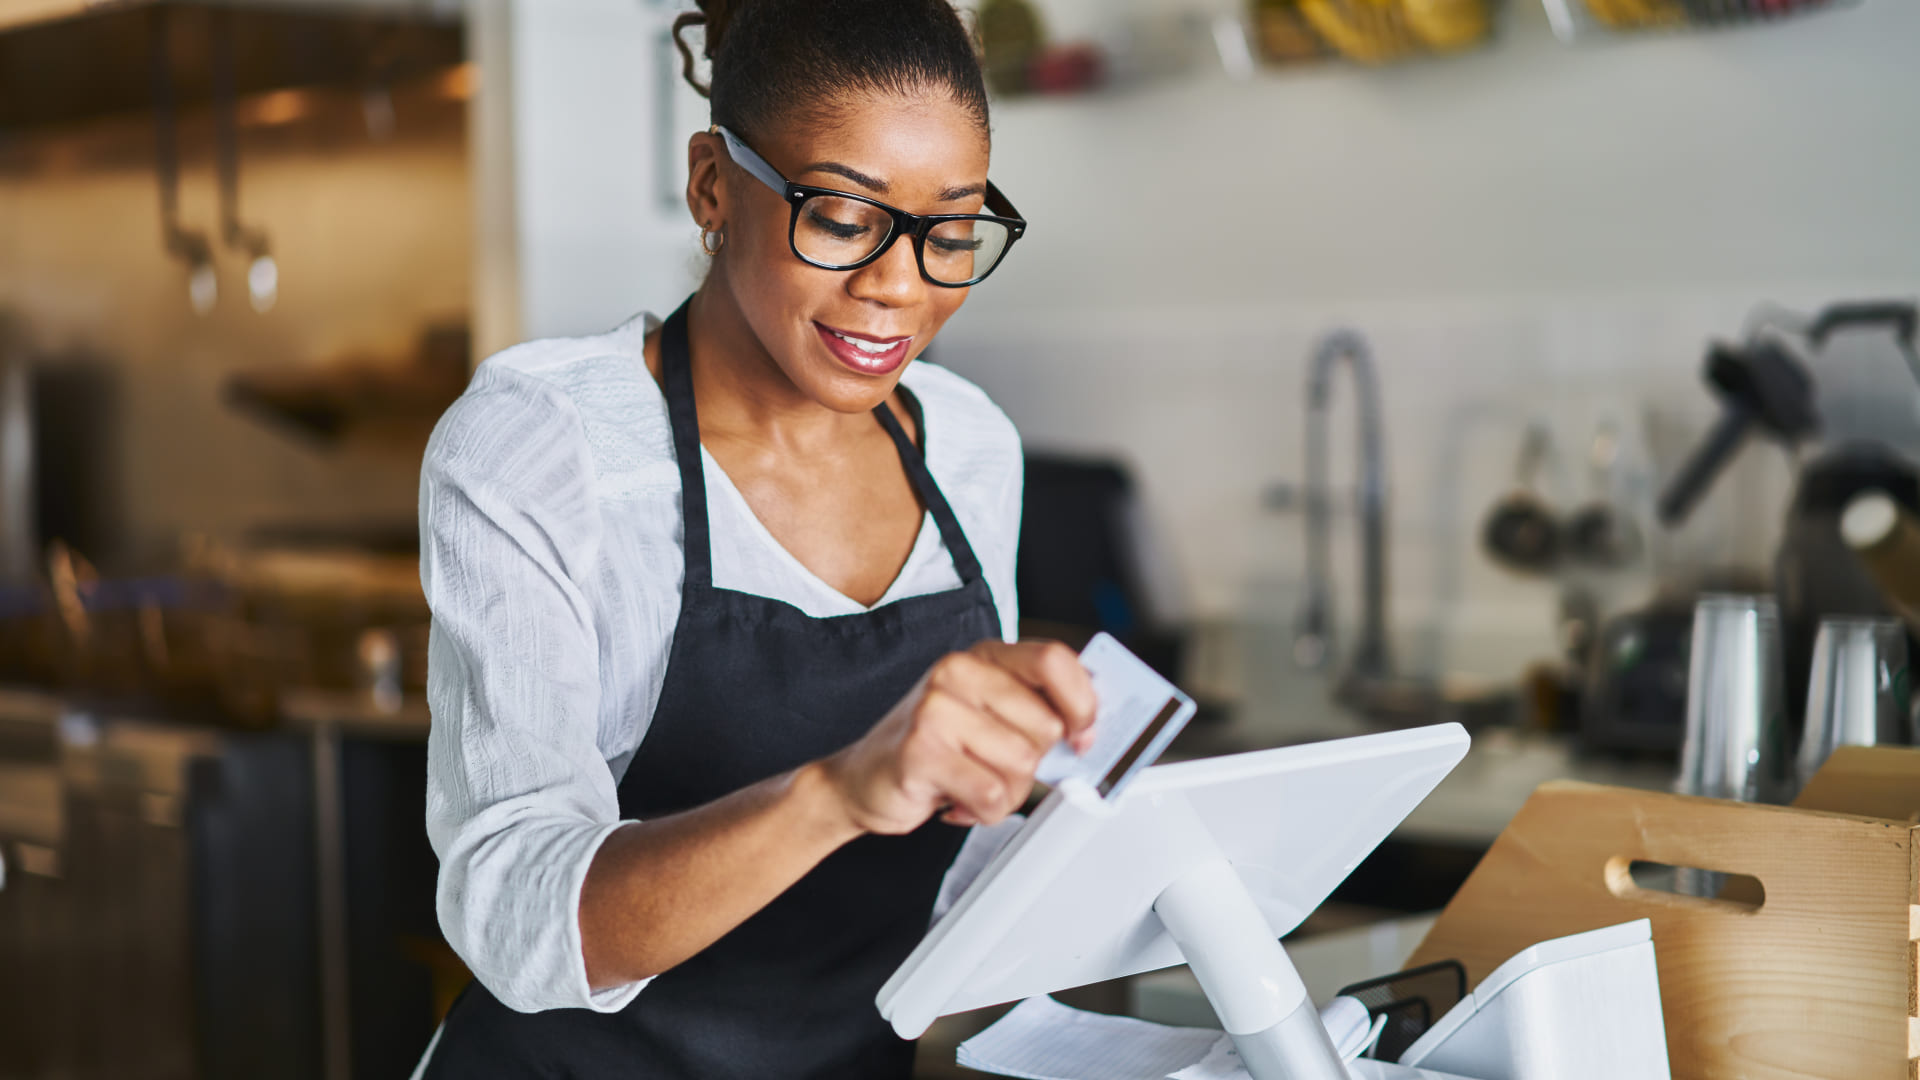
{"points": [[1069, 900]]}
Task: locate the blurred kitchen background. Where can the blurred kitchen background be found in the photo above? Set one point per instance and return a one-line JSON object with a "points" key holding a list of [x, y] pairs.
{"points": [[1362, 350]]}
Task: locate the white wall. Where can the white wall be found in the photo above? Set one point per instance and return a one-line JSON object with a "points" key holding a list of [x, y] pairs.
{"points": [[1528, 231], [1783, 153], [576, 230]]}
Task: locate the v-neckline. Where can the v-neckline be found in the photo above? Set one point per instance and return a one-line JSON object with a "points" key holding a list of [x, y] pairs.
{"points": [[929, 530], [928, 533]]}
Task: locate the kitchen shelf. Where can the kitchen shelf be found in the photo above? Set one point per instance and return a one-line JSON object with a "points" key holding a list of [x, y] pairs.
{"points": [[326, 403], [1576, 19]]}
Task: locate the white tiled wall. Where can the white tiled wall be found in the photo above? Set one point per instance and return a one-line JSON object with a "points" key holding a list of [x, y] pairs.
{"points": [[1207, 406]]}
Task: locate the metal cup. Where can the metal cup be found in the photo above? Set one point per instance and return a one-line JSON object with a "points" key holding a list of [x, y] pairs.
{"points": [[1858, 690], [1733, 739]]}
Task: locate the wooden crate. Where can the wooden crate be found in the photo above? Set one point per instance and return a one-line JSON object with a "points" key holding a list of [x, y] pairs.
{"points": [[1820, 980]]}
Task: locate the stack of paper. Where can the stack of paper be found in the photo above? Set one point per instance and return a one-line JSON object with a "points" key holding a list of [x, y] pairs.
{"points": [[1221, 1063], [1042, 1039]]}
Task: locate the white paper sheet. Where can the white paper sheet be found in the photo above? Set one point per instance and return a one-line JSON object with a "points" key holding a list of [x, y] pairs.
{"points": [[1221, 1063], [1042, 1039], [1347, 1023]]}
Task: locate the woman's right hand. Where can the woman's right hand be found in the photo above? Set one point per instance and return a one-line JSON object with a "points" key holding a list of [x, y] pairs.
{"points": [[966, 739]]}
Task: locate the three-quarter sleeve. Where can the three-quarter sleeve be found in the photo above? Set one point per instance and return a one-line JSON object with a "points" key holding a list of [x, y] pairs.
{"points": [[519, 796]]}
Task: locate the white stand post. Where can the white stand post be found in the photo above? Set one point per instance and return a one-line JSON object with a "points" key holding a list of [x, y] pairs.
{"points": [[1246, 975]]}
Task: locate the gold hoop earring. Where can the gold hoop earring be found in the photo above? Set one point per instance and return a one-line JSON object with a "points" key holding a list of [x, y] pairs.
{"points": [[712, 249]]}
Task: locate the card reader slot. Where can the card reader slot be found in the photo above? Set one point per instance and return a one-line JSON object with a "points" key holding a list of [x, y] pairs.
{"points": [[1119, 771]]}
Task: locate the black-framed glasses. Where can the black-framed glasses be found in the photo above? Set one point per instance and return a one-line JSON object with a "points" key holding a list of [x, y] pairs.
{"points": [[838, 230]]}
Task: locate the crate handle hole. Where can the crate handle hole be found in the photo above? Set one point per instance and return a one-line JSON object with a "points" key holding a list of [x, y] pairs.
{"points": [[1644, 879]]}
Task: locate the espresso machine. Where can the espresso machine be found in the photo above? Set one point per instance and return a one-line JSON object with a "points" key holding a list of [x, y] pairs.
{"points": [[1840, 390]]}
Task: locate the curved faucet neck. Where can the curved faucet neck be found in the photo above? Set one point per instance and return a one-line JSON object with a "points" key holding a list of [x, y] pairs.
{"points": [[1370, 657]]}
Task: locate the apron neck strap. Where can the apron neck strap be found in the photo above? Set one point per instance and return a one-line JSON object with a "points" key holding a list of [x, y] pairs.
{"points": [[676, 368], [964, 562]]}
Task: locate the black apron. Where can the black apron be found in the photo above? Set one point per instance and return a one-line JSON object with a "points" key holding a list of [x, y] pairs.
{"points": [[754, 687]]}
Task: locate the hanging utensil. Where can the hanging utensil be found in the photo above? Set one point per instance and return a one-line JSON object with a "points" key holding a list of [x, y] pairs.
{"points": [[1521, 531], [188, 245], [1602, 534]]}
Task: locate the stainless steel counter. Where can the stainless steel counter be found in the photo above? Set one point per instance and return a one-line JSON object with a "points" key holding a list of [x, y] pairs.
{"points": [[159, 913]]}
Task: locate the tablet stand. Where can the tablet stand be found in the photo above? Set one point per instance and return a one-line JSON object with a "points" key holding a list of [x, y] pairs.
{"points": [[1245, 973], [1207, 862]]}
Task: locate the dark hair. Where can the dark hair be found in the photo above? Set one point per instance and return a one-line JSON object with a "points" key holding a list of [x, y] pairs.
{"points": [[779, 59]]}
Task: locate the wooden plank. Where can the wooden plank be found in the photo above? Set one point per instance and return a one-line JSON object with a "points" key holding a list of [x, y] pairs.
{"points": [[1815, 982], [1875, 781]]}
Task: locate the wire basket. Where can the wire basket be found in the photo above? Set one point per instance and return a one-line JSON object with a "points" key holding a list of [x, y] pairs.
{"points": [[1411, 1001], [1580, 18]]}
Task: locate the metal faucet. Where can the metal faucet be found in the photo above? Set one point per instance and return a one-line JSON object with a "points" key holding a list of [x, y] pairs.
{"points": [[1313, 639]]}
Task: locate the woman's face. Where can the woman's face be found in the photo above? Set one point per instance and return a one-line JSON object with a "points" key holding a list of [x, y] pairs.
{"points": [[922, 154]]}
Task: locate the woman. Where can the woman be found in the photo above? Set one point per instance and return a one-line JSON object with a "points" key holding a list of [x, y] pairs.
{"points": [[720, 669]]}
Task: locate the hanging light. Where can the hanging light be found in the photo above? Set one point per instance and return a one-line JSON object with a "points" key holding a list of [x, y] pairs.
{"points": [[203, 287], [263, 273], [190, 246], [263, 282]]}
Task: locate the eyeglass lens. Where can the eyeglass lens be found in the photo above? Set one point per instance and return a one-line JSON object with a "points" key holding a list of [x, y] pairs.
{"points": [[840, 232]]}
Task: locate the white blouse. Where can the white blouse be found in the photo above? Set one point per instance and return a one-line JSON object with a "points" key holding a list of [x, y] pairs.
{"points": [[550, 552]]}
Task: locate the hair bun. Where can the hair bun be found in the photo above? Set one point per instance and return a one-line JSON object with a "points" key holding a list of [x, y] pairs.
{"points": [[713, 17], [775, 60]]}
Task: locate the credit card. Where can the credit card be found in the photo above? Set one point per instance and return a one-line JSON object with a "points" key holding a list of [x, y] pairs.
{"points": [[1138, 715]]}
